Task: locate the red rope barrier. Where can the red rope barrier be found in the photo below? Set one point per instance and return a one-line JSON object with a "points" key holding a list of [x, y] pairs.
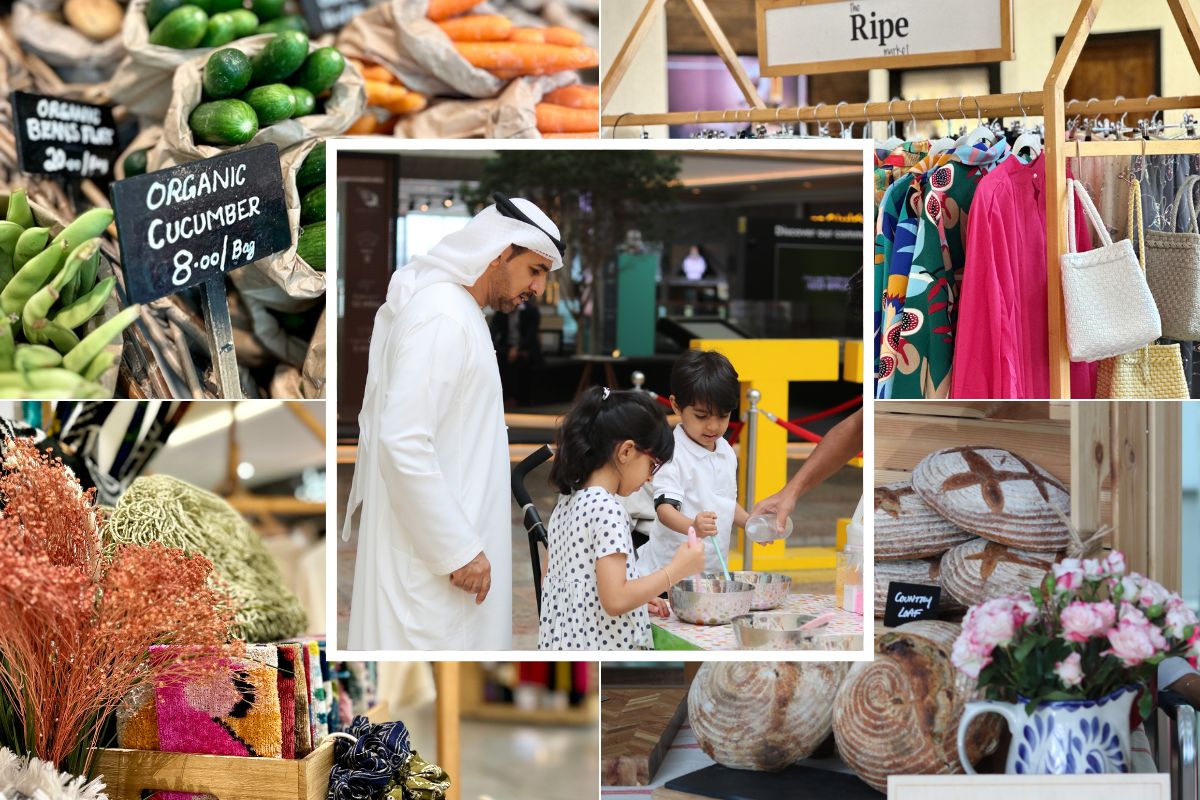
{"points": [[829, 412], [790, 427]]}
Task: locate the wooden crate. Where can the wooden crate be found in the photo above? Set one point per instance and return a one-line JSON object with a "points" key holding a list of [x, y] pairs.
{"points": [[1121, 461]]}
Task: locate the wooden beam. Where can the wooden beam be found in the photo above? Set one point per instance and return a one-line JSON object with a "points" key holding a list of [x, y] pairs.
{"points": [[1091, 443], [1130, 483], [720, 43], [1054, 112], [1185, 18], [448, 710], [633, 42], [1165, 488], [315, 426]]}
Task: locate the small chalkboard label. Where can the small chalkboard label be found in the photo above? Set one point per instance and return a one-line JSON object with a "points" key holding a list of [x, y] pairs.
{"points": [[184, 225], [331, 15], [908, 602], [64, 137]]}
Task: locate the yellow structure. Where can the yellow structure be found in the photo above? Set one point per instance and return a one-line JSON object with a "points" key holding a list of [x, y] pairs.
{"points": [[769, 365]]}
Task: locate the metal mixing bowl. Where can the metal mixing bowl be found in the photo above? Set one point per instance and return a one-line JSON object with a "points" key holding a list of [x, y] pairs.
{"points": [[710, 602], [781, 631], [770, 588]]}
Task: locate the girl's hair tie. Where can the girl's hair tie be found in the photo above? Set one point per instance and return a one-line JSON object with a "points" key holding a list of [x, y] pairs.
{"points": [[607, 392]]}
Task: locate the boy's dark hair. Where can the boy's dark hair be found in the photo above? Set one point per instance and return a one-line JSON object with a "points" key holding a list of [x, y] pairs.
{"points": [[595, 425], [705, 379]]}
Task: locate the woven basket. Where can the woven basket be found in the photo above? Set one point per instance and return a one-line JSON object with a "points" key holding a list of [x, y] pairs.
{"points": [[1173, 270], [1154, 372]]}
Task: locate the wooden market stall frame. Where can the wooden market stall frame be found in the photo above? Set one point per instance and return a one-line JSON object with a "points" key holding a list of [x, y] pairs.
{"points": [[1050, 103], [1121, 461], [127, 772]]}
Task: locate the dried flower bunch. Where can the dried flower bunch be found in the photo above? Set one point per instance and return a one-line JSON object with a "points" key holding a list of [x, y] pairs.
{"points": [[77, 619], [1086, 631]]}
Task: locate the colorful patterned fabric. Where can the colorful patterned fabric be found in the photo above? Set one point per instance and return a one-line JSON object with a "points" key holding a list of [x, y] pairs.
{"points": [[302, 700], [137, 721], [318, 718], [364, 770], [922, 252], [286, 681]]}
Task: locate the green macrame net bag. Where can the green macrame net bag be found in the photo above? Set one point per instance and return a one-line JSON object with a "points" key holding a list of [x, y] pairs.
{"points": [[159, 508]]}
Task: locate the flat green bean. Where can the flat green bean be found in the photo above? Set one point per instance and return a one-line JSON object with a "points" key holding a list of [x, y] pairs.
{"points": [[87, 306], [29, 244], [36, 356], [90, 346], [31, 277], [18, 209]]}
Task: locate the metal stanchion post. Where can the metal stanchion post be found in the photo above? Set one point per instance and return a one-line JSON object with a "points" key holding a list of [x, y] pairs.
{"points": [[639, 380], [752, 397]]}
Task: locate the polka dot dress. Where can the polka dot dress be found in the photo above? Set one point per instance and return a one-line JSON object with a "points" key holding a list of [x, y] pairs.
{"points": [[584, 527]]}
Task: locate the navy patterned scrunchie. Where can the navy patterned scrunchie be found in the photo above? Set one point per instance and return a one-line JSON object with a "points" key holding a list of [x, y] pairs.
{"points": [[363, 770]]}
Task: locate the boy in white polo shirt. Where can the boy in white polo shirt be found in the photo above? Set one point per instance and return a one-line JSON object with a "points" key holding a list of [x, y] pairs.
{"points": [[698, 486]]}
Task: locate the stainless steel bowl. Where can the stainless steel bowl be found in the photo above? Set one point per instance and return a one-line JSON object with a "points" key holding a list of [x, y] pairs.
{"points": [[770, 588], [710, 602], [781, 631]]}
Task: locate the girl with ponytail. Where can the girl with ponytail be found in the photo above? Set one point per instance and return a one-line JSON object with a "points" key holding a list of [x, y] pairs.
{"points": [[593, 598]]}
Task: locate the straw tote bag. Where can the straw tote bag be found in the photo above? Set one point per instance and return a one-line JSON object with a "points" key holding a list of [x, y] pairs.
{"points": [[1173, 269], [1153, 372], [1110, 310]]}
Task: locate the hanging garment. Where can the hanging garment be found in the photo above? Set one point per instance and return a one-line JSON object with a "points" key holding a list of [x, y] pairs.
{"points": [[1002, 336], [926, 225]]}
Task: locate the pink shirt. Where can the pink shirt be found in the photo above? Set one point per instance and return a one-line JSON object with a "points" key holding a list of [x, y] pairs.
{"points": [[1001, 345]]}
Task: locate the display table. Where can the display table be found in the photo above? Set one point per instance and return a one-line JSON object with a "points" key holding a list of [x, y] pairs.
{"points": [[675, 634]]}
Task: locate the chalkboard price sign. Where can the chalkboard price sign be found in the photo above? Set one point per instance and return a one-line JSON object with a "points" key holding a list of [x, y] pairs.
{"points": [[63, 137], [185, 225], [908, 602], [330, 15]]}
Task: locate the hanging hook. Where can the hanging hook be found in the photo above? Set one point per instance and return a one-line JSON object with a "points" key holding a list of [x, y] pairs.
{"points": [[821, 129], [1024, 116], [837, 113], [978, 110], [617, 122]]}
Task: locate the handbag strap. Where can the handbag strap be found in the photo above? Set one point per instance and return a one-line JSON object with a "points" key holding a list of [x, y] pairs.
{"points": [[1089, 208], [1182, 197], [1135, 222]]}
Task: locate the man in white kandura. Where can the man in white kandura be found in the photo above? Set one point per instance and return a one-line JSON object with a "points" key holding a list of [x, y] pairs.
{"points": [[434, 565]]}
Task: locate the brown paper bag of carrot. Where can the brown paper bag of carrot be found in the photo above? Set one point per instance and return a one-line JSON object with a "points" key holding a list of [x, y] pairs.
{"points": [[387, 100], [492, 42]]}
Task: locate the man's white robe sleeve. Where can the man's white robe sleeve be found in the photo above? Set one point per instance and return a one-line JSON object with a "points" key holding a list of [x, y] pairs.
{"points": [[414, 404]]}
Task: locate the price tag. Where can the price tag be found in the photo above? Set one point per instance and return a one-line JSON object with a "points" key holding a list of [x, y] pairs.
{"points": [[908, 602], [185, 225], [64, 137], [331, 15]]}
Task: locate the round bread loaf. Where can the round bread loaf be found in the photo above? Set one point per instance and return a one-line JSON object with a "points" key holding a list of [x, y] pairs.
{"points": [[996, 494], [898, 714], [762, 715], [980, 570], [925, 571], [907, 528]]}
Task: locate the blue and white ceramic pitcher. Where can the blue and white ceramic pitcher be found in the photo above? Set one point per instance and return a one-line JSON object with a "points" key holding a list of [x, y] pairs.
{"points": [[1061, 737]]}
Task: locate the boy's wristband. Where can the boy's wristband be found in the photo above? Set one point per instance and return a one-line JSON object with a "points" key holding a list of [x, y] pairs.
{"points": [[661, 500]]}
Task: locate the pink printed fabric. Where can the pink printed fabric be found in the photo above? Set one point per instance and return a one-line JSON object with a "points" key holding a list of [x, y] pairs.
{"points": [[1002, 343]]}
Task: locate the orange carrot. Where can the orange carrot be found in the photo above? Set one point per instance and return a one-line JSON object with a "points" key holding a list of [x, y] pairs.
{"points": [[561, 119], [380, 93], [378, 73], [576, 96], [364, 125], [530, 35], [564, 36], [445, 9], [527, 59], [586, 135], [478, 28], [507, 74], [410, 103]]}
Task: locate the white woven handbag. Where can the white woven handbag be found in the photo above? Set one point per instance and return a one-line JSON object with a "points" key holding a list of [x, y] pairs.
{"points": [[1110, 310]]}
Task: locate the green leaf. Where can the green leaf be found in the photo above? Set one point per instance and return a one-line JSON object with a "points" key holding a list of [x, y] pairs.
{"points": [[1145, 705]]}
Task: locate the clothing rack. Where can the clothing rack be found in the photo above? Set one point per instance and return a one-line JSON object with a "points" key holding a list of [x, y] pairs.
{"points": [[1050, 103]]}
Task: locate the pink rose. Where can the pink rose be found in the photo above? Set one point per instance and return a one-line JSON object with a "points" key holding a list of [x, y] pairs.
{"points": [[1093, 570], [1069, 670], [1153, 594], [968, 657], [1127, 587], [1114, 564], [1081, 621], [1193, 654], [992, 623], [1133, 642], [1068, 575], [1179, 617], [1024, 610]]}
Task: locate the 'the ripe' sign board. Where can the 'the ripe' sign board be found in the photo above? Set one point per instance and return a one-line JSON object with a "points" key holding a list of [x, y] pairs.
{"points": [[804, 37]]}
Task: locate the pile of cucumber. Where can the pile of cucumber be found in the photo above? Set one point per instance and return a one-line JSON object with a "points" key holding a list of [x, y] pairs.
{"points": [[48, 292], [184, 24], [244, 93], [310, 184]]}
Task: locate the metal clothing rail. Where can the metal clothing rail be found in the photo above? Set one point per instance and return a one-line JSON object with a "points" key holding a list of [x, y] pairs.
{"points": [[1050, 103]]}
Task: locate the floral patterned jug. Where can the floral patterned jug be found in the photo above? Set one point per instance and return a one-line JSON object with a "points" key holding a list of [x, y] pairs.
{"points": [[1061, 737]]}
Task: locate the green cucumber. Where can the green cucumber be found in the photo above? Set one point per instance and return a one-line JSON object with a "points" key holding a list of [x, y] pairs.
{"points": [[157, 9], [311, 245], [292, 22], [221, 30], [267, 10], [272, 103], [135, 162], [320, 70], [226, 73], [204, 5], [244, 22], [305, 102], [182, 29], [312, 171], [312, 207], [223, 122], [283, 54]]}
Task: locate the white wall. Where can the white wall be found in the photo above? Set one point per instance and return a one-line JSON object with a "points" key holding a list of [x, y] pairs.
{"points": [[643, 90]]}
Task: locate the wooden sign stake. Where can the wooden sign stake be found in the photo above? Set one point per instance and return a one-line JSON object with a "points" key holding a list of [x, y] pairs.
{"points": [[220, 339], [712, 29]]}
